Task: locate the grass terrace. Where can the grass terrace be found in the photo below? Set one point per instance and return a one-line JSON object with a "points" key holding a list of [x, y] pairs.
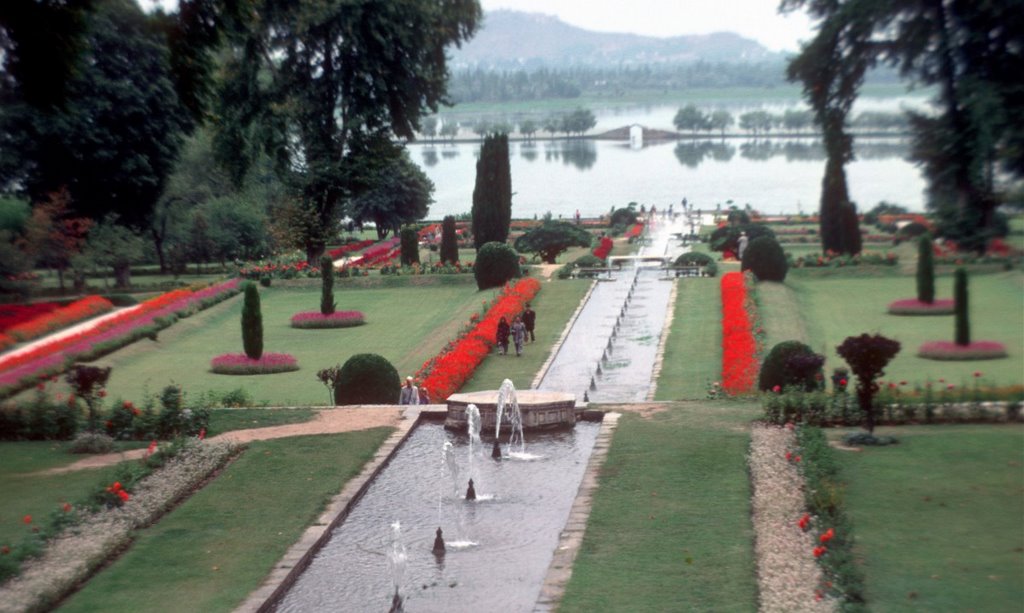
{"points": [[209, 553], [938, 518], [405, 325], [670, 526], [693, 352]]}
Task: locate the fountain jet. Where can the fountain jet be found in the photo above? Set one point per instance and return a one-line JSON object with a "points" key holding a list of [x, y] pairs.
{"points": [[470, 491], [438, 549]]}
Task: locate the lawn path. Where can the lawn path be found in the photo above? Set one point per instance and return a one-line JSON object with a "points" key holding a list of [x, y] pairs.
{"points": [[326, 421]]}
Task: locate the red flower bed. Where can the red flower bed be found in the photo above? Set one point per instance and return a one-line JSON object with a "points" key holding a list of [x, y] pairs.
{"points": [[77, 311], [349, 248], [604, 247], [378, 253], [17, 371], [6, 342], [635, 230], [446, 372], [14, 314], [739, 349]]}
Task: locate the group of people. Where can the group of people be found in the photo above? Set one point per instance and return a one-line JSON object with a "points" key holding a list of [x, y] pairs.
{"points": [[521, 328]]}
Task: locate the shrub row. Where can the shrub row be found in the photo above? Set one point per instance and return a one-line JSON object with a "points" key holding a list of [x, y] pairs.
{"points": [[834, 260], [942, 406], [45, 418]]}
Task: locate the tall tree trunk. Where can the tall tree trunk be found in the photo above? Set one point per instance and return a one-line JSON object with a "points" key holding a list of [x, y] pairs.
{"points": [[122, 275], [158, 245]]}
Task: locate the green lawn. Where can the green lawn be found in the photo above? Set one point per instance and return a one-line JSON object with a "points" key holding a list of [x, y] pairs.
{"points": [[406, 325], [670, 526], [693, 352], [937, 518], [214, 549], [226, 420], [834, 308], [27, 493], [554, 304]]}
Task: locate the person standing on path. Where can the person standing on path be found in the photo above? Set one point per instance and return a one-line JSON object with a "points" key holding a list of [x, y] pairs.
{"points": [[742, 245], [529, 320], [518, 335], [409, 395], [502, 336]]}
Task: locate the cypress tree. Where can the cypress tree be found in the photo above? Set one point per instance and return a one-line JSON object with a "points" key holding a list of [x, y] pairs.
{"points": [[925, 270], [327, 292], [449, 243], [963, 324], [492, 194], [252, 323], [410, 247]]}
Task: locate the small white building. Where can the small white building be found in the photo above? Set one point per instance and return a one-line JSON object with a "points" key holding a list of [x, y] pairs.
{"points": [[636, 136]]}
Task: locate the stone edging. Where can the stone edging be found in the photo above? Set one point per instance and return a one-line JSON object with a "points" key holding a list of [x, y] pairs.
{"points": [[287, 570], [571, 538], [561, 339], [666, 328]]}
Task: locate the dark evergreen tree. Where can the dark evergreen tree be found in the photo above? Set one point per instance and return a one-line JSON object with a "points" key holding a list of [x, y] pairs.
{"points": [[925, 270], [410, 245], [327, 305], [960, 308], [449, 242], [310, 75], [492, 195], [252, 323]]}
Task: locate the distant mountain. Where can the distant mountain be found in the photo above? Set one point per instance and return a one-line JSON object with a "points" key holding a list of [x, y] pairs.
{"points": [[514, 39]]}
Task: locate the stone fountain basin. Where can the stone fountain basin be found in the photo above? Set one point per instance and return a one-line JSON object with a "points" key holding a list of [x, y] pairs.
{"points": [[540, 409]]}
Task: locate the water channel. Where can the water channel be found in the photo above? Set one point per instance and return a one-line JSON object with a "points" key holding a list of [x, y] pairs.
{"points": [[499, 546]]}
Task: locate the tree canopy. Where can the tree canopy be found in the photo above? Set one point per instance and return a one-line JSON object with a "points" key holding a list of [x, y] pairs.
{"points": [[308, 76], [553, 238]]}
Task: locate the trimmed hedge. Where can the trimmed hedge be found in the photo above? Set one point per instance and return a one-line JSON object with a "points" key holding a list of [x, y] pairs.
{"points": [[367, 378], [779, 370], [496, 264], [765, 258]]}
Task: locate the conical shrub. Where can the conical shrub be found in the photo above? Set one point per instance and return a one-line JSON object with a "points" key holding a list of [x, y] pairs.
{"points": [[960, 310], [925, 270], [252, 323], [327, 277]]}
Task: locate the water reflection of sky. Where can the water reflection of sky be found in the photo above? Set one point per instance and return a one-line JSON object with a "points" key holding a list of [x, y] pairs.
{"points": [[774, 176]]}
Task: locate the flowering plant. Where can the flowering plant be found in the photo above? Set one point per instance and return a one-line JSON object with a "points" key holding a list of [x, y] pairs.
{"points": [[241, 364], [446, 372], [739, 349], [337, 319]]}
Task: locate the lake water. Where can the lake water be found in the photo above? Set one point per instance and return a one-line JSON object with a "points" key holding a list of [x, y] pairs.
{"points": [[773, 175]]}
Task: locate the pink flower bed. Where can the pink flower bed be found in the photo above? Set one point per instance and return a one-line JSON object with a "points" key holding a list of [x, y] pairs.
{"points": [[377, 253], [349, 248], [948, 350], [913, 306], [337, 319], [241, 364]]}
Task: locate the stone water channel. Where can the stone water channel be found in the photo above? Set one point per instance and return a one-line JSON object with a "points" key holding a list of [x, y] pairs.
{"points": [[499, 546], [610, 352]]}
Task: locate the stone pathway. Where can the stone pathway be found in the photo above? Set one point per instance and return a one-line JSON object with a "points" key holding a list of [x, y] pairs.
{"points": [[326, 421]]}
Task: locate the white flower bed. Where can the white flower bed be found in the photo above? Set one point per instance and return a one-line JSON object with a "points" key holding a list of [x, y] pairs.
{"points": [[70, 557], [788, 576]]}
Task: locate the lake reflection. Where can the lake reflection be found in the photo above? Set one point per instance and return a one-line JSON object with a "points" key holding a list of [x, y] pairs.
{"points": [[772, 175]]}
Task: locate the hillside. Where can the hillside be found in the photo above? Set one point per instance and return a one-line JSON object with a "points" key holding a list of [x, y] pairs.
{"points": [[510, 39]]}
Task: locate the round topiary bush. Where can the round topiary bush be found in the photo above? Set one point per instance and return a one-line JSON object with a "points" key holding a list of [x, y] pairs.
{"points": [[694, 258], [765, 258], [790, 363], [622, 217], [367, 378], [496, 263]]}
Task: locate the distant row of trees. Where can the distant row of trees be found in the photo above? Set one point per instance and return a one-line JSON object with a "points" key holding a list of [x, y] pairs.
{"points": [[486, 85], [692, 119], [576, 122]]}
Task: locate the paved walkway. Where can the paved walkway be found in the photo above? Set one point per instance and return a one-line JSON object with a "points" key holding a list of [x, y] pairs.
{"points": [[326, 421]]}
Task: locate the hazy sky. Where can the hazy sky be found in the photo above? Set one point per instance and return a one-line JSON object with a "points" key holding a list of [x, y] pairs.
{"points": [[756, 19]]}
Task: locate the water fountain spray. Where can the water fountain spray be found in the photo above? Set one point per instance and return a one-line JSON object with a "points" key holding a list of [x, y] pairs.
{"points": [[396, 564]]}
